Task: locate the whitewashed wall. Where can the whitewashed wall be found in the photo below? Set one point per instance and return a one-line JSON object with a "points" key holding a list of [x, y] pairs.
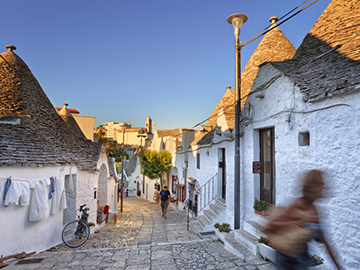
{"points": [[85, 187], [112, 193], [209, 160], [334, 147]]}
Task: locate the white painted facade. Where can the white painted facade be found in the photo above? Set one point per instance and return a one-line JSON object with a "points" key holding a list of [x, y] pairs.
{"points": [[18, 234], [333, 128], [86, 124]]}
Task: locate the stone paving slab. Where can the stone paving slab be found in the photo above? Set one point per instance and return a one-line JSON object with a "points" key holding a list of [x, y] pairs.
{"points": [[142, 239]]}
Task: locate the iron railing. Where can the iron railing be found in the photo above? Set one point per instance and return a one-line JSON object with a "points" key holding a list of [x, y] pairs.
{"points": [[205, 196]]}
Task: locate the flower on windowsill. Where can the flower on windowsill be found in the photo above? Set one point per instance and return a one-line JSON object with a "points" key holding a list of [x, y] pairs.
{"points": [[315, 260], [260, 205]]}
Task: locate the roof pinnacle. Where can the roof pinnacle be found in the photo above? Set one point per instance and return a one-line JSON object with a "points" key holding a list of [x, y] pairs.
{"points": [[10, 48], [273, 19]]}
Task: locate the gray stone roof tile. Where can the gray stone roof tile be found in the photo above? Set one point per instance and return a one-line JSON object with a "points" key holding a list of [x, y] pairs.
{"points": [[319, 68], [42, 137]]}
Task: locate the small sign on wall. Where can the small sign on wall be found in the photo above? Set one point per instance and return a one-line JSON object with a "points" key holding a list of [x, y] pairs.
{"points": [[256, 167]]}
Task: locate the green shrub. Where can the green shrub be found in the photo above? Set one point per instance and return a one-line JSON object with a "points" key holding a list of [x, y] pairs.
{"points": [[225, 227], [260, 205]]}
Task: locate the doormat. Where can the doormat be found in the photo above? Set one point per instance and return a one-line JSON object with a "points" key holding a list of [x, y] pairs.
{"points": [[208, 233], [30, 261]]}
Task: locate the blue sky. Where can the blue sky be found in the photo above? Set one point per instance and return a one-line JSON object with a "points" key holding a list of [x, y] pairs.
{"points": [[122, 60]]}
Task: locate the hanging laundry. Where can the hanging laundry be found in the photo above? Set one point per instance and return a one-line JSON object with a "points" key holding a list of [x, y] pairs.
{"points": [[51, 188], [59, 198], [70, 182], [7, 185], [18, 190], [197, 188], [39, 206]]}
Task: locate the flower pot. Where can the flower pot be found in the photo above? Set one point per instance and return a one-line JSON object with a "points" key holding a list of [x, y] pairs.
{"points": [[223, 236], [268, 253], [262, 212], [318, 267]]}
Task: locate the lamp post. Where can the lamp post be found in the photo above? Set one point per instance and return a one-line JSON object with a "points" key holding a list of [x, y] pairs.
{"points": [[141, 137], [237, 21], [122, 170]]}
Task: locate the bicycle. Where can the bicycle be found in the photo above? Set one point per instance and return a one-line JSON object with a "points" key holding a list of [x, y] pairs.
{"points": [[77, 232]]}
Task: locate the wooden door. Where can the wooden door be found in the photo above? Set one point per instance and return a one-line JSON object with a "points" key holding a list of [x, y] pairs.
{"points": [[267, 165], [222, 171]]}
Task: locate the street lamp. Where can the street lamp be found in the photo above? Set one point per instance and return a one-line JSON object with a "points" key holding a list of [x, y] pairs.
{"points": [[141, 137], [122, 170], [237, 20]]}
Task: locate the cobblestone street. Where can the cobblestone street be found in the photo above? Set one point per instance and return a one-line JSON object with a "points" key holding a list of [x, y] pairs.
{"points": [[142, 239]]}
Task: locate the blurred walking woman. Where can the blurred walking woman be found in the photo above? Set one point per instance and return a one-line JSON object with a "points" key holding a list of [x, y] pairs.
{"points": [[301, 213]]}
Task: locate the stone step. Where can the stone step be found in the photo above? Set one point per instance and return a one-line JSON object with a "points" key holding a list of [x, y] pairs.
{"points": [[260, 219], [218, 208], [203, 220], [239, 250], [196, 226], [247, 240], [210, 214], [254, 228]]}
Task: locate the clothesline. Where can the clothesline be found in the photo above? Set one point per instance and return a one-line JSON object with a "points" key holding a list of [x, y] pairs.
{"points": [[27, 180], [48, 195]]}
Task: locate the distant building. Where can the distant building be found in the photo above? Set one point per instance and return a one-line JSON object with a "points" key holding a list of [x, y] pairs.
{"points": [[133, 136], [86, 123]]}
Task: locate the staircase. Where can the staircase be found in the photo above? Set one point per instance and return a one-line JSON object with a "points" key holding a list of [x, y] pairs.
{"points": [[205, 222], [244, 243]]}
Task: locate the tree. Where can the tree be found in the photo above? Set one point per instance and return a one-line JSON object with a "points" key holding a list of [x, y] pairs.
{"points": [[154, 164], [112, 147], [101, 132]]}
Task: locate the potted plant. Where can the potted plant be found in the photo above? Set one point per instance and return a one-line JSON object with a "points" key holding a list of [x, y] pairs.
{"points": [[260, 207], [139, 192], [266, 249], [91, 227], [316, 262], [223, 231]]}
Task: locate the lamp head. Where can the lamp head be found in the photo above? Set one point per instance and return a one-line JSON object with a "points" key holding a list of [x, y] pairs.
{"points": [[237, 20]]}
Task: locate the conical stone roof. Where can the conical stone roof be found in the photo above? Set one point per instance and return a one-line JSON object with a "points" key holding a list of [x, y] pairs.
{"points": [[32, 133], [273, 47], [319, 68], [70, 120]]}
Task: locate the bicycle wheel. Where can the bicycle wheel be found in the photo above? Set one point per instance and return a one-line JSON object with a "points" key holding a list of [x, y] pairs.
{"points": [[75, 233]]}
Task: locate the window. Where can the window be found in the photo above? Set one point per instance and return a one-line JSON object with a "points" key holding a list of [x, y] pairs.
{"points": [[304, 138], [198, 161]]}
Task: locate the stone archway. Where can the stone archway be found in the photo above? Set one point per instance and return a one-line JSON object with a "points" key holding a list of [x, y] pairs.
{"points": [[103, 185]]}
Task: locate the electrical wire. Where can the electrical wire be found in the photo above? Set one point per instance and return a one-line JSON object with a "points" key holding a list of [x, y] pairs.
{"points": [[266, 28], [263, 33]]}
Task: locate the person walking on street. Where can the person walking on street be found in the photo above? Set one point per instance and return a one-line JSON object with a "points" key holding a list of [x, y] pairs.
{"points": [[164, 200], [303, 213]]}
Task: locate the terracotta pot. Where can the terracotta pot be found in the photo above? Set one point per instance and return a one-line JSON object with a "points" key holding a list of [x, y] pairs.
{"points": [[262, 212]]}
